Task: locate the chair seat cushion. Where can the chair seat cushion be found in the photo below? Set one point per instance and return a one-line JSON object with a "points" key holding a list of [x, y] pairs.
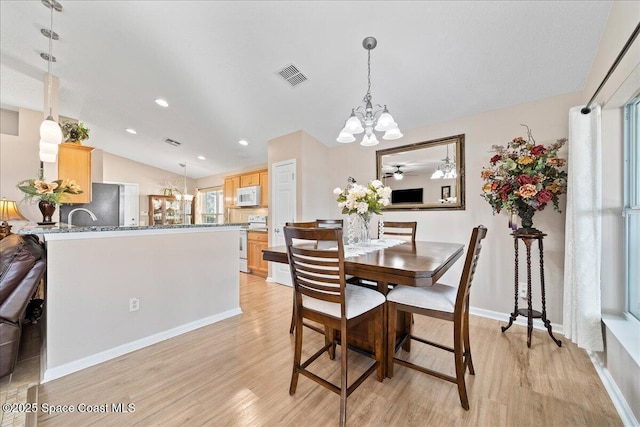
{"points": [[437, 297], [358, 300]]}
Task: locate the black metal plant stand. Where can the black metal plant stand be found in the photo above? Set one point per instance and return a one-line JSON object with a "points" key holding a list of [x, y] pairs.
{"points": [[528, 238]]}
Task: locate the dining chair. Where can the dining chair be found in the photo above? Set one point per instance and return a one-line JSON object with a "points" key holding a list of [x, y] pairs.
{"points": [[329, 223], [442, 302], [306, 224], [322, 295], [320, 223], [405, 230]]}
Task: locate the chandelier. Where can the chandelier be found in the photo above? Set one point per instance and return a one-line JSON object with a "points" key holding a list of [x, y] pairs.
{"points": [[50, 132], [446, 169], [368, 117], [184, 197]]}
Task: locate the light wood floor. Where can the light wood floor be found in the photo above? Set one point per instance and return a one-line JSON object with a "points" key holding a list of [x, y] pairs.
{"points": [[237, 372], [14, 388]]}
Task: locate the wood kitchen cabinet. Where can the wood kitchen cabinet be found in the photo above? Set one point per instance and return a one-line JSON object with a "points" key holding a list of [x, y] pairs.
{"points": [[164, 210], [264, 189], [231, 184], [250, 179], [74, 162], [256, 242]]}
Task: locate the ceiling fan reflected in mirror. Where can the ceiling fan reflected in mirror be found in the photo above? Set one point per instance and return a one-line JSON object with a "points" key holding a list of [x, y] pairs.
{"points": [[397, 174]]}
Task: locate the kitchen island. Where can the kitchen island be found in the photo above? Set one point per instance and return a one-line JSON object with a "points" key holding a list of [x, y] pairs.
{"points": [[113, 290]]}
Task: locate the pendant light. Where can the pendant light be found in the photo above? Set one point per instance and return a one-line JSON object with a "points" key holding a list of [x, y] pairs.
{"points": [[185, 197], [50, 131], [446, 169], [368, 117]]}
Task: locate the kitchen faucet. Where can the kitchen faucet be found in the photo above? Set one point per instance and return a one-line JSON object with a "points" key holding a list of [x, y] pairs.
{"points": [[93, 217]]}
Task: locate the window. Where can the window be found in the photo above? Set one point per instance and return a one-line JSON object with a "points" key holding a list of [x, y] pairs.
{"points": [[210, 206], [632, 205]]}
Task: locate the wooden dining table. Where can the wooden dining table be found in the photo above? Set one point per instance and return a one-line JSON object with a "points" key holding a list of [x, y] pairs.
{"points": [[419, 263]]}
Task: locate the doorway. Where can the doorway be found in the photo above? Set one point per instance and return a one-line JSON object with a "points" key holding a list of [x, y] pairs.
{"points": [[283, 185]]}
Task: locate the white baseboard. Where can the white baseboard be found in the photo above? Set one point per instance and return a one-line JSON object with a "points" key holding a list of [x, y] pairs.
{"points": [[521, 320], [94, 359], [621, 405]]}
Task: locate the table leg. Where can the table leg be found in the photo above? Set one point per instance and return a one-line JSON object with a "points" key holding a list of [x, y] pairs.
{"points": [[514, 315], [527, 243], [546, 322], [383, 288]]}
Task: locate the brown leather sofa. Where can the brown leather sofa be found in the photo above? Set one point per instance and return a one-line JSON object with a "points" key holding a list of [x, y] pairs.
{"points": [[22, 265]]}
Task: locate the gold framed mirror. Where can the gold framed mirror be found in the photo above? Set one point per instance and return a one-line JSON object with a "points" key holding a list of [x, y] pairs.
{"points": [[425, 175]]}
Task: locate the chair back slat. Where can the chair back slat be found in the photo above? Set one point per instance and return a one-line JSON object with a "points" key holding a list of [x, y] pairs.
{"points": [[306, 224], [471, 261], [401, 229], [329, 223], [316, 273]]}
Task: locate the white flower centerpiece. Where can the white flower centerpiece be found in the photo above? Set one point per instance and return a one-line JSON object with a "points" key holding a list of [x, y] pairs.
{"points": [[363, 201]]}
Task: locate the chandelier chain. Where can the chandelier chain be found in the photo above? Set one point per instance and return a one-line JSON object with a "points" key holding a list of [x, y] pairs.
{"points": [[49, 60], [367, 97]]}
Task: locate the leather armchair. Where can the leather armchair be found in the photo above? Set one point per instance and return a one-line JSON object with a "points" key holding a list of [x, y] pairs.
{"points": [[22, 265]]}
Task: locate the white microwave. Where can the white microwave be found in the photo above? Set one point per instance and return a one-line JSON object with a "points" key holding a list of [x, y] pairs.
{"points": [[248, 196]]}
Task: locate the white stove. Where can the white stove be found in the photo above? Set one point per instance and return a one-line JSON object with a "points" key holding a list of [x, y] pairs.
{"points": [[256, 222]]}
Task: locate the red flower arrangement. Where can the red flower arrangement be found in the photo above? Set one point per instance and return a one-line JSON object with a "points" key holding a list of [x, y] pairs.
{"points": [[524, 175]]}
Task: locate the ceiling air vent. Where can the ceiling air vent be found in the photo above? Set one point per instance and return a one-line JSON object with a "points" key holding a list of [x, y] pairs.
{"points": [[173, 142], [292, 75]]}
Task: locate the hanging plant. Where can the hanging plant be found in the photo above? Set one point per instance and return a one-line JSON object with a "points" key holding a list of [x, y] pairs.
{"points": [[74, 133]]}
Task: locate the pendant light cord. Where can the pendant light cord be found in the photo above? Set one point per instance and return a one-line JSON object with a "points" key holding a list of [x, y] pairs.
{"points": [[49, 61]]}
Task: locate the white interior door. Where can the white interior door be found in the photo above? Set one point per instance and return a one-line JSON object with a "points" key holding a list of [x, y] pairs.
{"points": [[131, 204], [130, 200], [283, 185]]}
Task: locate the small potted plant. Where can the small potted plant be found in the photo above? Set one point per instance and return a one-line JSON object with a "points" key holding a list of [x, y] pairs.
{"points": [[74, 133], [48, 194]]}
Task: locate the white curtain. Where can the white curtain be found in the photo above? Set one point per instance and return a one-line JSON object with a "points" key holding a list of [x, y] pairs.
{"points": [[581, 307]]}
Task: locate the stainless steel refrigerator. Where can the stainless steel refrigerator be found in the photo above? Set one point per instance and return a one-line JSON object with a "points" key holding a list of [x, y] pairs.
{"points": [[107, 204]]}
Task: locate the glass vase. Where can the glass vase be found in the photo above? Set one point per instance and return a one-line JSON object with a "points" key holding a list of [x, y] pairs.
{"points": [[365, 238]]}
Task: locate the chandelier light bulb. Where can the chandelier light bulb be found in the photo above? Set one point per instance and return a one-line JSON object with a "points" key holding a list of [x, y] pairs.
{"points": [[437, 174], [345, 137], [48, 158], [353, 125], [392, 134], [50, 131], [48, 148], [369, 140], [385, 121], [398, 176]]}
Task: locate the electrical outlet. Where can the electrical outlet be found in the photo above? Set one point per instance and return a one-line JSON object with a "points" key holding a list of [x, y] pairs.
{"points": [[134, 304], [522, 290]]}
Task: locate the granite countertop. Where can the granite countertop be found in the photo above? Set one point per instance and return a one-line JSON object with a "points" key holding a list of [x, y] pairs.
{"points": [[32, 228]]}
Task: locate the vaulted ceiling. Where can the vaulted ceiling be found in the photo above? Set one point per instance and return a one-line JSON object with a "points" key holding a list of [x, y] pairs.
{"points": [[216, 64]]}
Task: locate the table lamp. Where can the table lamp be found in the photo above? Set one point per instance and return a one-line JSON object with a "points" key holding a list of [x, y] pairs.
{"points": [[8, 212]]}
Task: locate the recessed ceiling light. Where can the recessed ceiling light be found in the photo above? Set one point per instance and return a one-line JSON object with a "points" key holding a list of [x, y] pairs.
{"points": [[243, 142], [202, 157], [161, 102], [131, 131]]}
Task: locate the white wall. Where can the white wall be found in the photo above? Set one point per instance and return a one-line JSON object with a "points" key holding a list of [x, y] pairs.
{"points": [[619, 364], [493, 283], [91, 279]]}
